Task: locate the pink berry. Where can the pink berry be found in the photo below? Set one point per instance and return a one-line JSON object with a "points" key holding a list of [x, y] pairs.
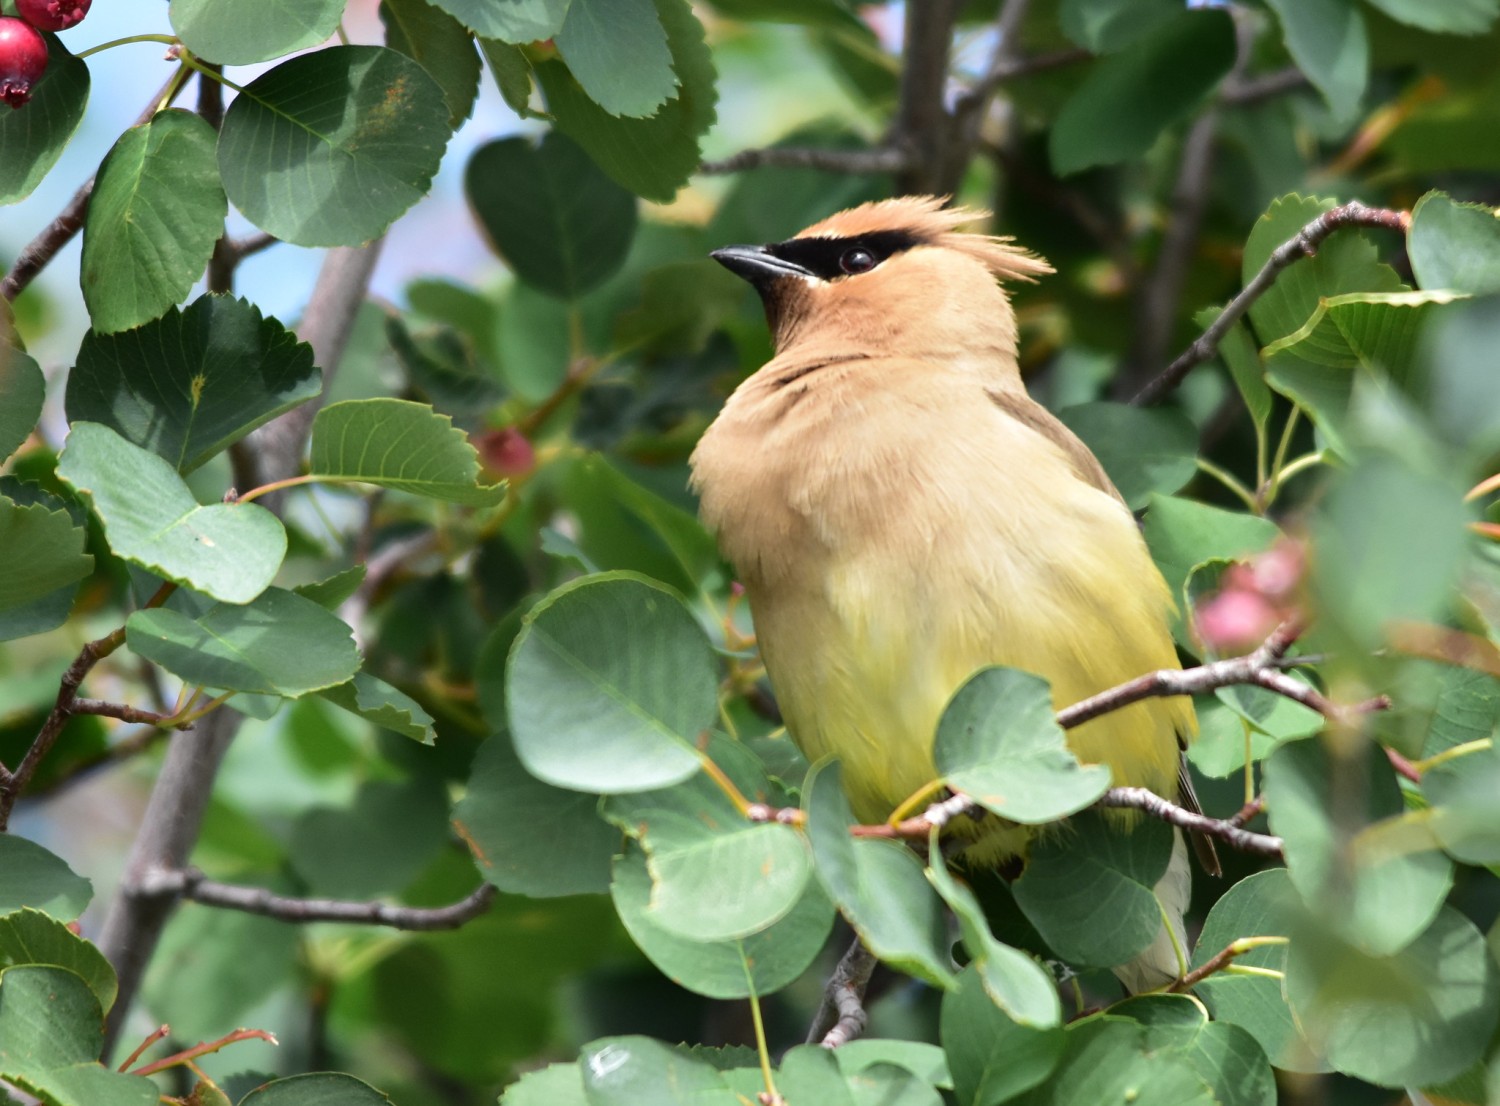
{"points": [[53, 15], [1235, 619], [506, 452], [23, 60]]}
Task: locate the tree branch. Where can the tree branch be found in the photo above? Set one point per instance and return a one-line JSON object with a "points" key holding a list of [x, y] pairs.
{"points": [[194, 886], [1248, 91], [880, 159], [1138, 798], [1304, 243], [842, 1018], [40, 251], [921, 124]]}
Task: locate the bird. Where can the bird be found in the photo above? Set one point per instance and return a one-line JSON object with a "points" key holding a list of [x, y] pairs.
{"points": [[902, 514]]}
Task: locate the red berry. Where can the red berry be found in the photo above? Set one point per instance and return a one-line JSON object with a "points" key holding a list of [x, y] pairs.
{"points": [[23, 60], [506, 452], [53, 15]]}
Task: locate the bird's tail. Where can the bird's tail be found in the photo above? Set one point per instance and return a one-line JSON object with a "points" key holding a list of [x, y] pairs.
{"points": [[1160, 963]]}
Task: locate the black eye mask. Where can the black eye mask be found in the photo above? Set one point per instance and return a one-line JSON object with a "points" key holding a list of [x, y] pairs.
{"points": [[832, 258]]}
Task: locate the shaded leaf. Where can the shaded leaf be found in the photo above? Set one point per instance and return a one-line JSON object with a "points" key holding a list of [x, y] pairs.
{"points": [[397, 444], [22, 390], [432, 37], [42, 551], [512, 21], [617, 51], [379, 703], [31, 141], [37, 878], [330, 148], [1143, 449], [1327, 40], [277, 644], [31, 937], [190, 384], [156, 210], [1454, 246], [239, 35]]}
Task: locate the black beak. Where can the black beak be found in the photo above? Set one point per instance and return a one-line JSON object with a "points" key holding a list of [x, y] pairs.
{"points": [[757, 264]]}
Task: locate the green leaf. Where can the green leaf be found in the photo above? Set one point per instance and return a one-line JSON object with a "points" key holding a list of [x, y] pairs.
{"points": [[652, 157], [1363, 329], [32, 140], [51, 1033], [1346, 263], [1106, 26], [1458, 17], [1183, 534], [1327, 40], [1143, 449], [239, 35], [22, 391], [554, 1085], [512, 73], [811, 1073], [766, 961], [617, 51], [1128, 99], [1370, 891], [1454, 246], [156, 210], [511, 21], [1262, 905], [330, 148], [993, 1058], [1094, 871], [611, 681], [691, 546], [1014, 981], [637, 1071], [1242, 359], [331, 593], [319, 1088], [1390, 541], [378, 702], [277, 644], [443, 47], [192, 383], [1465, 817], [999, 743], [229, 551], [528, 837], [1113, 1060], [376, 845], [877, 884], [42, 550], [1458, 358], [1369, 1014], [1225, 1056], [560, 223], [397, 444], [36, 878], [53, 609], [31, 937], [718, 882]]}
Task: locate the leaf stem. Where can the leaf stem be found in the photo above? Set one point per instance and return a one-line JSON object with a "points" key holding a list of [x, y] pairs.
{"points": [[1484, 487], [168, 40], [188, 1055], [918, 799], [290, 482], [725, 784], [174, 86], [762, 1048], [1273, 483], [209, 72], [1483, 744], [1228, 480]]}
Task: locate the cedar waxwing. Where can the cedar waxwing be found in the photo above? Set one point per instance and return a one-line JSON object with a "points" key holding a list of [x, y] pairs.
{"points": [[902, 514]]}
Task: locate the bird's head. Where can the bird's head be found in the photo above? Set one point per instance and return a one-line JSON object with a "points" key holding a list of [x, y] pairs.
{"points": [[895, 277]]}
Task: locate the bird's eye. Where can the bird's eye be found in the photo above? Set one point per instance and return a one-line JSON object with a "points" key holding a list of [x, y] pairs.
{"points": [[857, 260]]}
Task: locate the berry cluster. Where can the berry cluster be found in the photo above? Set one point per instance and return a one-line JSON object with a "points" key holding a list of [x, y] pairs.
{"points": [[23, 51]]}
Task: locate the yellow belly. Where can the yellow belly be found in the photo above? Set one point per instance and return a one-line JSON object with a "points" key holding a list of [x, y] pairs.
{"points": [[864, 656]]}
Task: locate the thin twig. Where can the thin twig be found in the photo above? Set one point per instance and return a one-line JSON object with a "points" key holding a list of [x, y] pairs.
{"points": [[1221, 960], [1138, 798], [1304, 243], [1247, 91], [842, 1018], [40, 251], [879, 159], [921, 123], [193, 885]]}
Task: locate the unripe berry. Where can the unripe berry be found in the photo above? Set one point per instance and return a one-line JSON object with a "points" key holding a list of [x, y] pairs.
{"points": [[23, 60], [506, 452], [53, 15]]}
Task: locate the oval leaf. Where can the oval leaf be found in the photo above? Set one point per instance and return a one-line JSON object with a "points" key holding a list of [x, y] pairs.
{"points": [[193, 382], [397, 444], [239, 34], [617, 51], [32, 140], [37, 878], [517, 21], [156, 210], [279, 644], [999, 743], [42, 551], [560, 223], [228, 551], [329, 148], [610, 682], [1454, 246], [320, 1088], [22, 391]]}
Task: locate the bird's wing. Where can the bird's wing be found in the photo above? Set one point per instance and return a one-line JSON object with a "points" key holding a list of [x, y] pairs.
{"points": [[1028, 412]]}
